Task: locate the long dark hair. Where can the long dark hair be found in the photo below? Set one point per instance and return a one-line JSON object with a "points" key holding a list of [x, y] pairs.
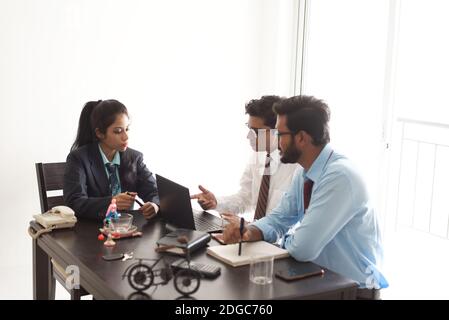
{"points": [[96, 115]]}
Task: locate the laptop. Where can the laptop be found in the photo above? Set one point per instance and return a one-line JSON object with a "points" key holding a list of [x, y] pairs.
{"points": [[176, 209]]}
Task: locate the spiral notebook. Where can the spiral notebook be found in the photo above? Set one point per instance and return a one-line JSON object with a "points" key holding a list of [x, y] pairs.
{"points": [[250, 250]]}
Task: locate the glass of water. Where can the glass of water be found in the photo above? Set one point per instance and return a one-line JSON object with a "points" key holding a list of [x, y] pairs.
{"points": [[261, 269]]}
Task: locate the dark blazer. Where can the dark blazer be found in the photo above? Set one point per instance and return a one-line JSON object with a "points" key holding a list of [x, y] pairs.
{"points": [[86, 185]]}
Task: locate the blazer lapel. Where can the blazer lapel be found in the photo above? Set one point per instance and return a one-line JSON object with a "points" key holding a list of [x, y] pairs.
{"points": [[98, 171], [126, 173]]}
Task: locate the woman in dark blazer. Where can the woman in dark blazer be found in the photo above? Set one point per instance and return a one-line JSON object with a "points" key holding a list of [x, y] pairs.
{"points": [[100, 165]]}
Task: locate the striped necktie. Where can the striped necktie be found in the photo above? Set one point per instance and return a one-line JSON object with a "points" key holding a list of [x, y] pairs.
{"points": [[262, 200], [114, 185]]}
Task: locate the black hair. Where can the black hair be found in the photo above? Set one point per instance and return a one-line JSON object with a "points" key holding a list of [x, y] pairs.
{"points": [[96, 115], [263, 108], [306, 113]]}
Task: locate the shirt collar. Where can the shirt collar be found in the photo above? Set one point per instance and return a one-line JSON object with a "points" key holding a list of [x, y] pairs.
{"points": [[319, 164], [115, 160]]}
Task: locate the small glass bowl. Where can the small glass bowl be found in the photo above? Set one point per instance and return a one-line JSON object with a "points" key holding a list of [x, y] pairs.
{"points": [[122, 224]]}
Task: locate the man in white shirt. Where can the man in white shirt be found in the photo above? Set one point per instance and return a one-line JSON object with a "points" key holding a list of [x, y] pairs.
{"points": [[258, 195]]}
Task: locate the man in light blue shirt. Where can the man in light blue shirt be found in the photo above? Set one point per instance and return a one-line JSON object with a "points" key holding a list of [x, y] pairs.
{"points": [[326, 216]]}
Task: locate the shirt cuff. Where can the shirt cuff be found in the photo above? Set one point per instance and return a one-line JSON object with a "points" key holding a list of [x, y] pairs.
{"points": [[269, 235], [219, 206], [155, 206]]}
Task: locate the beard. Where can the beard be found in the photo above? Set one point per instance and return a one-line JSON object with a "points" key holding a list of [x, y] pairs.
{"points": [[291, 154]]}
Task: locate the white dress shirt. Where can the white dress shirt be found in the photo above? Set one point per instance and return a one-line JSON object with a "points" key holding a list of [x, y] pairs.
{"points": [[245, 200]]}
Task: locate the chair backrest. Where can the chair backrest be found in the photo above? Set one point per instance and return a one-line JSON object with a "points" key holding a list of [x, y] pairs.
{"points": [[50, 177]]}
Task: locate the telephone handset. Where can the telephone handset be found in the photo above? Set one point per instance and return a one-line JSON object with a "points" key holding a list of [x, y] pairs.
{"points": [[63, 211], [56, 218]]}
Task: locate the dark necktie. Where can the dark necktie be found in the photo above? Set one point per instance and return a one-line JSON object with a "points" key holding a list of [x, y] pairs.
{"points": [[262, 200], [308, 184], [113, 179]]}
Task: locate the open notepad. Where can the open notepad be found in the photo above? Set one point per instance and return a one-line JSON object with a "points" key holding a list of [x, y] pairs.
{"points": [[250, 250]]}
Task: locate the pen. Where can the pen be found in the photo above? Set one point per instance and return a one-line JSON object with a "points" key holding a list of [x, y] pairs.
{"points": [[138, 202], [241, 235]]}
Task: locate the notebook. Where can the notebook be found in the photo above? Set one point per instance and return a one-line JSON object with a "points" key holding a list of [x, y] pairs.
{"points": [[259, 249], [176, 209]]}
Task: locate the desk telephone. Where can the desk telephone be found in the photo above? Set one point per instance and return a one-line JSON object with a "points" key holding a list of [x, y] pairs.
{"points": [[57, 218]]}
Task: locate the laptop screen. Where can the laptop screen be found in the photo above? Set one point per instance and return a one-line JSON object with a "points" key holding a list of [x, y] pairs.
{"points": [[175, 205]]}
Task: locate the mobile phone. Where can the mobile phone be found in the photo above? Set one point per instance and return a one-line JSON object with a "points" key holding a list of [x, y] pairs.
{"points": [[113, 256], [300, 271], [218, 237]]}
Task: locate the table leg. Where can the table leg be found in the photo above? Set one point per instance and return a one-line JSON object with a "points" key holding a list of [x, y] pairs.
{"points": [[43, 280]]}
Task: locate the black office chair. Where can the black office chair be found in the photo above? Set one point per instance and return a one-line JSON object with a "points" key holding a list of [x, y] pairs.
{"points": [[50, 177]]}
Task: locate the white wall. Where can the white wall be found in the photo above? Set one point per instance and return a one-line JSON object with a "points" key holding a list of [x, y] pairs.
{"points": [[184, 69], [345, 66]]}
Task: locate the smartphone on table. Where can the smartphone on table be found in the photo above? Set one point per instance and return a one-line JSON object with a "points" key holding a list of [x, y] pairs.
{"points": [[299, 271]]}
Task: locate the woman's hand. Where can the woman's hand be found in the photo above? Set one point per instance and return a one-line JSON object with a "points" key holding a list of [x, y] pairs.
{"points": [[148, 210], [124, 201]]}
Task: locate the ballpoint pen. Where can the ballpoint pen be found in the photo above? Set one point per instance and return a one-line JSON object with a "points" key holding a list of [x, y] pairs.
{"points": [[138, 202], [241, 235]]}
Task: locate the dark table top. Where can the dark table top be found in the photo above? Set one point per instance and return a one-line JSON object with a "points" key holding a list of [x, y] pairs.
{"points": [[80, 246]]}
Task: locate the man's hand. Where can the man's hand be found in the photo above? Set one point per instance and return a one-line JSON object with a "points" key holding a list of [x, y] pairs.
{"points": [[124, 201], [148, 210], [231, 233], [231, 217], [206, 199]]}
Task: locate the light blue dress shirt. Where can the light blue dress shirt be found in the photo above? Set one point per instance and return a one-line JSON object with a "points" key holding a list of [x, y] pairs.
{"points": [[339, 231], [115, 160]]}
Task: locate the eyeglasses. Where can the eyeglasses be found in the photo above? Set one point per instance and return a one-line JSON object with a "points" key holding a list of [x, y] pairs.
{"points": [[255, 130]]}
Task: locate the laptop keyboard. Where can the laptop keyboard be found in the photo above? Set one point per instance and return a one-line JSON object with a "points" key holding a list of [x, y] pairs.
{"points": [[203, 224]]}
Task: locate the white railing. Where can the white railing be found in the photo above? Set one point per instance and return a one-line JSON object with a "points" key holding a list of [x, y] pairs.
{"points": [[423, 183]]}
